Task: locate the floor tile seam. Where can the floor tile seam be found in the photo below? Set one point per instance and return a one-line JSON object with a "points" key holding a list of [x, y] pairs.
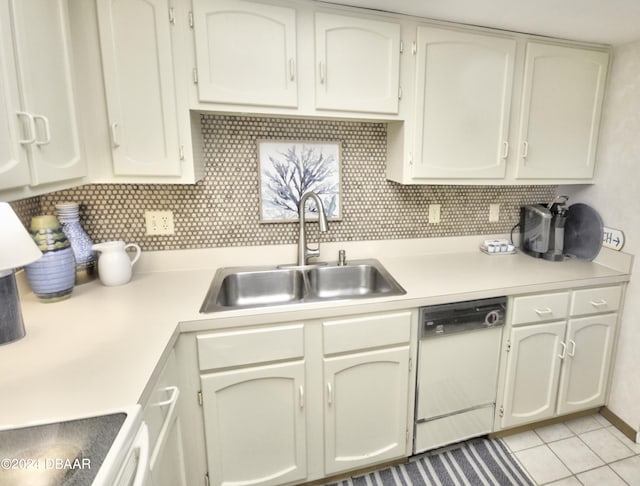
{"points": [[608, 465], [567, 466], [573, 434], [602, 458]]}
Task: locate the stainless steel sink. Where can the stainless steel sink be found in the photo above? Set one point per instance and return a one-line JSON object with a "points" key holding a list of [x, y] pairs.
{"points": [[252, 288], [353, 280], [246, 287]]}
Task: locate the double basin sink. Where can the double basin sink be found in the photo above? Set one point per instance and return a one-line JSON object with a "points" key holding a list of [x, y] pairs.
{"points": [[246, 287]]}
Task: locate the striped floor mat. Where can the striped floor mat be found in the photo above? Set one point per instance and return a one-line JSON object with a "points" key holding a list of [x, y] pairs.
{"points": [[480, 462]]}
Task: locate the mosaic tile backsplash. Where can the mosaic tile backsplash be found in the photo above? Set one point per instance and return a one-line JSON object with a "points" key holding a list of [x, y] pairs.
{"points": [[223, 209]]}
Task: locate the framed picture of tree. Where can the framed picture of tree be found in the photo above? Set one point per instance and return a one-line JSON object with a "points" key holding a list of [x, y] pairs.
{"points": [[289, 169]]}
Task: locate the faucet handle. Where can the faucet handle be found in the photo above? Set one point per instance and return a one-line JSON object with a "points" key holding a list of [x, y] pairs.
{"points": [[342, 258]]}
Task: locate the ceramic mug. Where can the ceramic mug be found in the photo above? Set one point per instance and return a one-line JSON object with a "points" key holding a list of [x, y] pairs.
{"points": [[114, 265]]}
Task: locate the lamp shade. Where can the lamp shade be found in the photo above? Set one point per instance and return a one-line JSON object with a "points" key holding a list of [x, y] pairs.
{"points": [[17, 248]]}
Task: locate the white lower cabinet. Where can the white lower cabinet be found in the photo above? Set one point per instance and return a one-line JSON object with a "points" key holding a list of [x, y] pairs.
{"points": [[365, 408], [166, 456], [285, 404], [533, 373], [255, 424], [586, 369], [562, 366]]}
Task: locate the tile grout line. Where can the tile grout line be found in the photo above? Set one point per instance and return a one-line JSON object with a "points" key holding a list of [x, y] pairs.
{"points": [[545, 443]]}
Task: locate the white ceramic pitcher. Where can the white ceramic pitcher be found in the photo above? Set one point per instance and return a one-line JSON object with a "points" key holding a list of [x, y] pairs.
{"points": [[114, 265]]}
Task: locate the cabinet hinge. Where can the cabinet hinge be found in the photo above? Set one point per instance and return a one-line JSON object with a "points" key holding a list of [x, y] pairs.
{"points": [[172, 16], [399, 92], [195, 76], [191, 20], [181, 152], [414, 48], [508, 346], [200, 398], [206, 480], [401, 47], [501, 411]]}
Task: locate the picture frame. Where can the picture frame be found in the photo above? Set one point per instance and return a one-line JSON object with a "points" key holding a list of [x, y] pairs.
{"points": [[289, 169]]}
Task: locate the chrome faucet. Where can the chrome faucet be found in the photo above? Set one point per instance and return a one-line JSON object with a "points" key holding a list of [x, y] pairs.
{"points": [[304, 252]]}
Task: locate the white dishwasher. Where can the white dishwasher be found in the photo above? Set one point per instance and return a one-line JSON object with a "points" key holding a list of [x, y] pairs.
{"points": [[458, 358]]}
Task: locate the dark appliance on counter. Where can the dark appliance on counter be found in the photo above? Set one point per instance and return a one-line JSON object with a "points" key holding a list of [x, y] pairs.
{"points": [[542, 229]]}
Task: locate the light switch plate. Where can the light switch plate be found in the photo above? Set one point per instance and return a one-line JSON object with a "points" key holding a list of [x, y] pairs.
{"points": [[434, 213], [494, 213]]}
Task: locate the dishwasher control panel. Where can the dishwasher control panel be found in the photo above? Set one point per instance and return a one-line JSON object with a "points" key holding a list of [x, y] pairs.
{"points": [[438, 320]]}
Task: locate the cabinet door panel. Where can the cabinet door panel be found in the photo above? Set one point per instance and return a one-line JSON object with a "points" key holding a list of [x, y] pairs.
{"points": [[255, 424], [463, 98], [135, 40], [14, 166], [45, 74], [585, 373], [533, 371], [366, 408], [357, 63], [246, 53], [562, 101]]}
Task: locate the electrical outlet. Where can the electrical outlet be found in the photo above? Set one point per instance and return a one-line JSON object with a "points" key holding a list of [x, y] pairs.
{"points": [[434, 213], [159, 222], [494, 213]]}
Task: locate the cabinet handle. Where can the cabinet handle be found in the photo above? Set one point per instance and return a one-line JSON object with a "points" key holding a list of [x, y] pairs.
{"points": [[142, 446], [543, 312], [322, 73], [525, 149], [292, 69], [301, 396], [505, 149], [47, 131], [114, 135], [598, 303], [173, 398], [172, 401], [31, 128], [572, 351], [563, 353], [329, 394]]}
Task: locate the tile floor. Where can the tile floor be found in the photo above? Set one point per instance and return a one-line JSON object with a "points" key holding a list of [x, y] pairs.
{"points": [[586, 451]]}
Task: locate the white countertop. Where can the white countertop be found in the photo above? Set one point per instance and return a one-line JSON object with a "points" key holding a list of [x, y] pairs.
{"points": [[98, 350]]}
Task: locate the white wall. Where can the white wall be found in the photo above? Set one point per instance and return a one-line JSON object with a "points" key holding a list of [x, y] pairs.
{"points": [[616, 196]]}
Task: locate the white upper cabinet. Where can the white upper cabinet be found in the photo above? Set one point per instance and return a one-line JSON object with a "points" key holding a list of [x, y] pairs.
{"points": [[357, 64], [245, 53], [39, 121], [462, 103], [561, 106], [137, 61], [14, 165]]}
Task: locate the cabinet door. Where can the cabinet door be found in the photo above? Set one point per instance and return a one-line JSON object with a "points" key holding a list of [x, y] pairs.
{"points": [[135, 41], [41, 30], [562, 101], [533, 371], [14, 165], [166, 454], [366, 400], [585, 372], [463, 97], [357, 64], [245, 53], [255, 424]]}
